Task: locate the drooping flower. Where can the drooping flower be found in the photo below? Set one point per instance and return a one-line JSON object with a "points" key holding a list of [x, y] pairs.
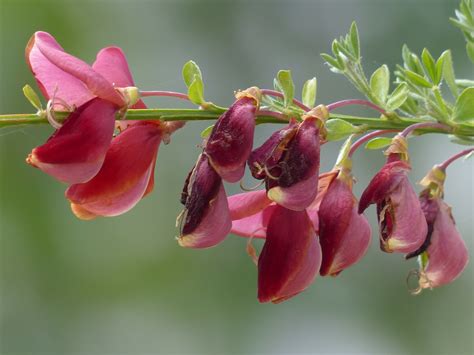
{"points": [[343, 233], [289, 162], [443, 256], [402, 223], [230, 142], [290, 258], [205, 220]]}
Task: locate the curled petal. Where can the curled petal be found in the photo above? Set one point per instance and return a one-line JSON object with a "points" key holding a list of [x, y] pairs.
{"points": [[297, 171], [383, 183], [402, 223], [447, 255], [73, 80], [324, 182], [206, 220], [76, 151], [231, 139], [125, 176], [290, 258]]}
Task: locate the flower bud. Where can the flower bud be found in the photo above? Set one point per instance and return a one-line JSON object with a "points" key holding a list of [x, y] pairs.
{"points": [[231, 139], [206, 218]]}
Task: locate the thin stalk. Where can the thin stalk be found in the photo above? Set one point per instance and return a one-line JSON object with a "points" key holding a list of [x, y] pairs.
{"points": [[280, 95], [177, 95], [448, 161], [420, 125], [367, 137], [351, 102]]}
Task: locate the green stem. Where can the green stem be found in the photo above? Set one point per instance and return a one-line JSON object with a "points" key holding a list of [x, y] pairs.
{"points": [[203, 115]]}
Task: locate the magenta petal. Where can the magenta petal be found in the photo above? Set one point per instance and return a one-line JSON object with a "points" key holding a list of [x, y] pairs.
{"points": [[254, 226], [231, 139], [402, 223], [290, 258], [247, 203], [76, 151], [447, 253], [75, 81], [383, 183], [343, 233], [297, 172], [112, 64], [206, 220], [124, 177]]}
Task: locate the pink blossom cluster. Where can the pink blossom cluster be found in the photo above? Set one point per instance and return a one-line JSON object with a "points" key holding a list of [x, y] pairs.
{"points": [[311, 223]]}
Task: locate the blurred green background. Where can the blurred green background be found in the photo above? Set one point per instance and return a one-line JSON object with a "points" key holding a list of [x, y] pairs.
{"points": [[123, 285]]}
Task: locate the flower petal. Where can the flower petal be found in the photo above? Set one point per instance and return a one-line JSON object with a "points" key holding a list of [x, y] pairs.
{"points": [[447, 253], [124, 176], [383, 183], [402, 224], [297, 171], [253, 226], [231, 139], [206, 220], [290, 258], [74, 81], [76, 151], [247, 203]]}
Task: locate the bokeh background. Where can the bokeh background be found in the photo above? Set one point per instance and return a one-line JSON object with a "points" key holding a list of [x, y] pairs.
{"points": [[123, 285]]}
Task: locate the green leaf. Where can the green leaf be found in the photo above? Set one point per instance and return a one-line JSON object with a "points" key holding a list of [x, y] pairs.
{"points": [[355, 42], [308, 95], [285, 82], [470, 50], [190, 71], [196, 90], [463, 140], [430, 66], [464, 108], [448, 72], [397, 97], [417, 79], [378, 143], [332, 62], [380, 83], [207, 131], [338, 129], [32, 97]]}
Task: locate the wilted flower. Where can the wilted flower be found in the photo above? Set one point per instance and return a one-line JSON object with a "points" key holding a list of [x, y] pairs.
{"points": [[289, 162], [230, 142], [444, 255], [401, 221], [205, 220]]}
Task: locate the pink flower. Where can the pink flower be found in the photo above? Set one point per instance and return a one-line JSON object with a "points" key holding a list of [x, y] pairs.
{"points": [[76, 151], [343, 233], [445, 255], [401, 221], [205, 220], [108, 176], [230, 143]]}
